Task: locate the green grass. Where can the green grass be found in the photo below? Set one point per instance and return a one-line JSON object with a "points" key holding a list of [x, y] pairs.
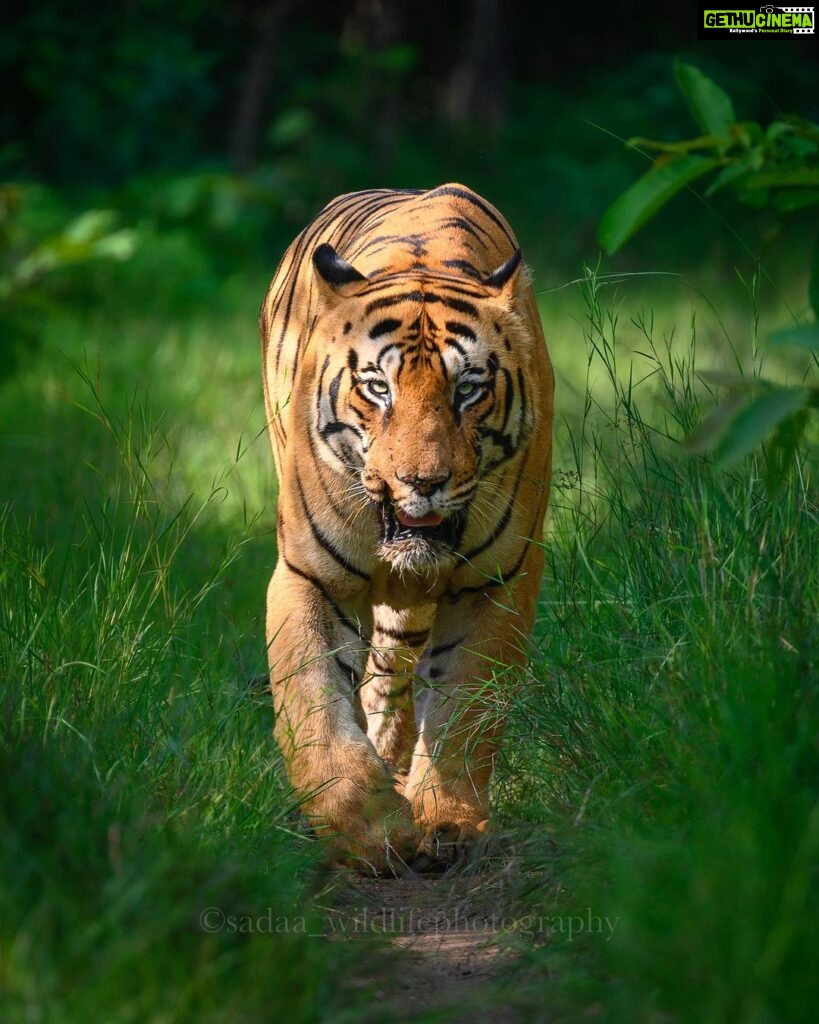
{"points": [[671, 715], [661, 763], [140, 782]]}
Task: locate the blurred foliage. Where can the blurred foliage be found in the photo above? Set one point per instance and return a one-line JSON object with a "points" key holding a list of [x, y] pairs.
{"points": [[99, 93], [776, 167], [105, 93], [352, 94], [36, 242], [137, 109]]}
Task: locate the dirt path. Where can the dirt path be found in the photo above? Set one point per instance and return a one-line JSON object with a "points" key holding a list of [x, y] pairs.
{"points": [[453, 949]]}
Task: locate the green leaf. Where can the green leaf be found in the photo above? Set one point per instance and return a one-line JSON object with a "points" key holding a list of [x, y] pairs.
{"points": [[785, 178], [777, 128], [813, 281], [805, 336], [756, 421], [90, 225], [728, 174], [747, 134], [710, 106], [120, 245], [640, 202], [781, 452], [675, 148], [712, 428]]}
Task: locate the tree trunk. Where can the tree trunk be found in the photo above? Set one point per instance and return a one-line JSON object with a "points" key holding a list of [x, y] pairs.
{"points": [[474, 91], [255, 84]]}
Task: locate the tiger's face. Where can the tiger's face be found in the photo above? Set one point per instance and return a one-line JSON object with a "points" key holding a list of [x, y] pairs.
{"points": [[421, 393]]}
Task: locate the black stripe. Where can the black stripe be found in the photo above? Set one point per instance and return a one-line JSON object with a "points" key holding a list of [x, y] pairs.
{"points": [[503, 522], [370, 242], [508, 398], [426, 297], [461, 329], [447, 284], [337, 427], [385, 200], [446, 190], [369, 214], [412, 638], [465, 266], [335, 384], [461, 306], [349, 670], [363, 394], [454, 596], [462, 224], [503, 441], [324, 541], [385, 350], [386, 692], [320, 388], [383, 665], [394, 300], [401, 278], [320, 469], [456, 345], [522, 390], [384, 327], [279, 430], [436, 652], [313, 581]]}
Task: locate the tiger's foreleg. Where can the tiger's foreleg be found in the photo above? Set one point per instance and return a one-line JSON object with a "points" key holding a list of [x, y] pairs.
{"points": [[476, 645], [387, 693], [346, 790]]}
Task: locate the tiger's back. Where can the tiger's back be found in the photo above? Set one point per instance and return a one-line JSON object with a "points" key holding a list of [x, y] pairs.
{"points": [[408, 391]]}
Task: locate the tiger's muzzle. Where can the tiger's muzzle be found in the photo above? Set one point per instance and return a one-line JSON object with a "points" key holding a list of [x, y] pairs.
{"points": [[418, 543]]}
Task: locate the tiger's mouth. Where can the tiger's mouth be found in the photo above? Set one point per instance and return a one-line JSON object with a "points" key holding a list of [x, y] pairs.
{"points": [[433, 529]]}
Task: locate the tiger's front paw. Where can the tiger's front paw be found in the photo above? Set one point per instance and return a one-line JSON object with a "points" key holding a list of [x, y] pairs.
{"points": [[448, 843], [382, 843]]}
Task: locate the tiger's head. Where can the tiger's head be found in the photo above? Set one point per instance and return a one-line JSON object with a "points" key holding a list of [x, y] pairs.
{"points": [[422, 383]]}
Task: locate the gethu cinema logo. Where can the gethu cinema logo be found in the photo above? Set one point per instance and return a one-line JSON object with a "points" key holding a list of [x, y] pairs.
{"points": [[767, 17]]}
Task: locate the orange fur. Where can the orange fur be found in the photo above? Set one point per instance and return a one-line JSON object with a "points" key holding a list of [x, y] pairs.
{"points": [[408, 392]]}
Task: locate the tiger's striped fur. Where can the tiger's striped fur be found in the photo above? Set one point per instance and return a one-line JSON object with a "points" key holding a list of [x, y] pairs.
{"points": [[408, 393]]}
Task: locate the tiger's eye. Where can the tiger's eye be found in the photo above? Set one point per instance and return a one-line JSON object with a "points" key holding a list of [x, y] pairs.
{"points": [[466, 389], [378, 387]]}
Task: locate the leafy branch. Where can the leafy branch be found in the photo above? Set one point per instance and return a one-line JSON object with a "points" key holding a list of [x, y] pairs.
{"points": [[776, 166]]}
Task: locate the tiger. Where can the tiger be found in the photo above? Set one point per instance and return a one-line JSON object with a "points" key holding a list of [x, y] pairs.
{"points": [[409, 401]]}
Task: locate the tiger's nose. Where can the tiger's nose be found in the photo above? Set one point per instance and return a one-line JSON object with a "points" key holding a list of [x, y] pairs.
{"points": [[425, 485]]}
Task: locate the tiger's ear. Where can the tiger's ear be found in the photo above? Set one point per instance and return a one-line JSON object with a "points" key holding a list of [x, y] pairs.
{"points": [[505, 277], [335, 271]]}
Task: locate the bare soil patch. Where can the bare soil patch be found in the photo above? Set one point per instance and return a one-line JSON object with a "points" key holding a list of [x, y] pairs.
{"points": [[449, 949]]}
